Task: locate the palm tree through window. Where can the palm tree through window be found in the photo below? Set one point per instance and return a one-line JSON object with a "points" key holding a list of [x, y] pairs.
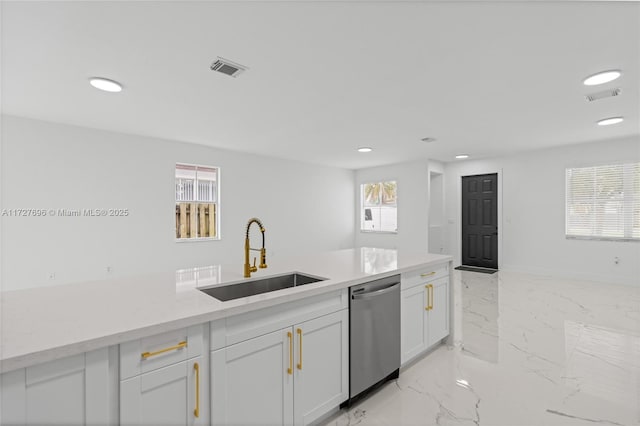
{"points": [[379, 211]]}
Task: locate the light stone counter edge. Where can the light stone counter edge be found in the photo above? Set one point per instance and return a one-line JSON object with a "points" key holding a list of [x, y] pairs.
{"points": [[43, 324]]}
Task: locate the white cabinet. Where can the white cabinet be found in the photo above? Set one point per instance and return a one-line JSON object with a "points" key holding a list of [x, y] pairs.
{"points": [[321, 371], [438, 315], [425, 311], [168, 396], [290, 376], [251, 383], [164, 379], [76, 390], [414, 325]]}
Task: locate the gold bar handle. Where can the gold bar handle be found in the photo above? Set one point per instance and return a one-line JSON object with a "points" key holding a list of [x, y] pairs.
{"points": [[430, 296], [426, 308], [196, 367], [428, 274], [290, 369], [300, 343], [180, 345]]}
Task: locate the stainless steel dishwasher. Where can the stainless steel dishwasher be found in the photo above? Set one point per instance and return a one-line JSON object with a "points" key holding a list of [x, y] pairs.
{"points": [[374, 330]]}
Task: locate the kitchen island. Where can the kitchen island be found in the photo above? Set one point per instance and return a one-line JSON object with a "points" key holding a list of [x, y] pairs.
{"points": [[108, 323]]}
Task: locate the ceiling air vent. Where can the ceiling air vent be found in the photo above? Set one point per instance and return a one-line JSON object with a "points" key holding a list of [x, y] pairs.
{"points": [[228, 67], [604, 94]]}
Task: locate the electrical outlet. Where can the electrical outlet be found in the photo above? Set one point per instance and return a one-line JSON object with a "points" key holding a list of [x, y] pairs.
{"points": [[52, 276], [616, 260], [109, 269]]}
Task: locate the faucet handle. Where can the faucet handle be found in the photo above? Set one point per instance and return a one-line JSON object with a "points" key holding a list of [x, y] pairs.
{"points": [[254, 268], [263, 258]]}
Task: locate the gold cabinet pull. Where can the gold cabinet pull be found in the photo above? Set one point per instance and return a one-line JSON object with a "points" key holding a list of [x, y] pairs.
{"points": [[290, 369], [300, 343], [180, 345], [426, 308], [428, 274], [196, 411], [430, 296]]}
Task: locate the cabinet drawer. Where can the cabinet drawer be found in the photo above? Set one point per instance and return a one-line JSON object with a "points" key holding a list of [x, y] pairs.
{"points": [[421, 276], [153, 352]]}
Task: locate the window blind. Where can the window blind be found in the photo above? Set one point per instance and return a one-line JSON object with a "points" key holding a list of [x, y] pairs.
{"points": [[603, 202]]}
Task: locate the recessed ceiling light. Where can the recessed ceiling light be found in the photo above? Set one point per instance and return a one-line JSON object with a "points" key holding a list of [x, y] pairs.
{"points": [[462, 156], [602, 77], [610, 121], [105, 84], [365, 149]]}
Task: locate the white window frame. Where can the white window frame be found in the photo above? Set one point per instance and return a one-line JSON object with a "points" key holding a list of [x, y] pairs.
{"points": [[216, 202], [630, 200], [363, 207]]}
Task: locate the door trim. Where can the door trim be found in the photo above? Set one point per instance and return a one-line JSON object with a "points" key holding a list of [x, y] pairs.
{"points": [[501, 228]]}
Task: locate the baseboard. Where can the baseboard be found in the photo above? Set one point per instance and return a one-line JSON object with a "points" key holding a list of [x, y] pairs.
{"points": [[572, 275]]}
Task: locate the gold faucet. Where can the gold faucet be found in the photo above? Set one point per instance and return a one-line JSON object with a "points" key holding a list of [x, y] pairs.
{"points": [[248, 269]]}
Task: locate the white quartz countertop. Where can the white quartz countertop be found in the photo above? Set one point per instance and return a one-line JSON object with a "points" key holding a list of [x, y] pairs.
{"points": [[42, 324]]}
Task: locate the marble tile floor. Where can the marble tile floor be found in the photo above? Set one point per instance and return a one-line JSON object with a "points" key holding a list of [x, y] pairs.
{"points": [[529, 350]]}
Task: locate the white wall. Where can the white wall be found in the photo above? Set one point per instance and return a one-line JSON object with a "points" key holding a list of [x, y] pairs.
{"points": [[532, 213], [437, 221], [304, 207], [412, 179]]}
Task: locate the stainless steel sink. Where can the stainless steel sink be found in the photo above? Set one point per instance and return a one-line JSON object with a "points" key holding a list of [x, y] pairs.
{"points": [[259, 286]]}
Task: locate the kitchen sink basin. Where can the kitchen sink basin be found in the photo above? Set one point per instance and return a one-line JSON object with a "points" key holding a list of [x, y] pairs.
{"points": [[259, 286]]}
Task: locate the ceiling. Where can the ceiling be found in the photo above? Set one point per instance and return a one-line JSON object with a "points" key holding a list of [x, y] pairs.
{"points": [[325, 77]]}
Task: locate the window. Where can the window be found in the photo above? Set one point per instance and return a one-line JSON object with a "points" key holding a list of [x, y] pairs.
{"points": [[197, 201], [603, 202], [379, 210]]}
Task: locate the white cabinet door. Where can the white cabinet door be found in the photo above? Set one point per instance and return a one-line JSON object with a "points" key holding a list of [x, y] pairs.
{"points": [[172, 395], [252, 381], [321, 366], [414, 322], [438, 317], [69, 391]]}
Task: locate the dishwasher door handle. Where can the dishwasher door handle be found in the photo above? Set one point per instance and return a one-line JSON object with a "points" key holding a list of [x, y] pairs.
{"points": [[374, 293]]}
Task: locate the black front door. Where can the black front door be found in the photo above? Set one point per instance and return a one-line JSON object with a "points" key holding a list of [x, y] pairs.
{"points": [[480, 221]]}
